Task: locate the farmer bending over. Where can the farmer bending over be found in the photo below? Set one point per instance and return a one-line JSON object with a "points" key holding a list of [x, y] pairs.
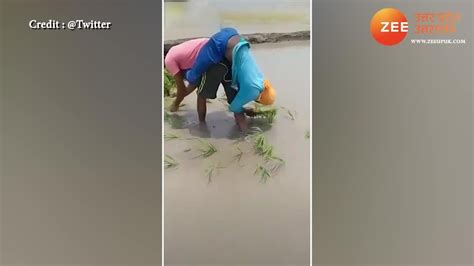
{"points": [[246, 75], [180, 59]]}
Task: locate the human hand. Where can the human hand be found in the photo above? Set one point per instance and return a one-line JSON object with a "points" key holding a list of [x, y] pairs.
{"points": [[250, 113]]}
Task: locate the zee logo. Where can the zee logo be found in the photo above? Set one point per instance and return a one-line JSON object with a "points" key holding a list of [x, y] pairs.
{"points": [[394, 26], [389, 26]]}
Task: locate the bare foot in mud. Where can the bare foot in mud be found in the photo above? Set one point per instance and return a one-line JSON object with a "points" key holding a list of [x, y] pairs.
{"points": [[201, 130]]}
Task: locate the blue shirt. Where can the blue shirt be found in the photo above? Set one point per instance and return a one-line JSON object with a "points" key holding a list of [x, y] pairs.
{"points": [[211, 53], [246, 75]]}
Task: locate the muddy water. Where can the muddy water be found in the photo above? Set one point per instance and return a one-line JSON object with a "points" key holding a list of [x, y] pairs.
{"points": [[204, 18], [235, 219]]}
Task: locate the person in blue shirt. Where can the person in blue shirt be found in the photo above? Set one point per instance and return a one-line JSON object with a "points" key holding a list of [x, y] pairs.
{"points": [[247, 78]]}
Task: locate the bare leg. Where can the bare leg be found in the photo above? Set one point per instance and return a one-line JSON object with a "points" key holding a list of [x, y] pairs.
{"points": [[201, 108], [241, 121]]}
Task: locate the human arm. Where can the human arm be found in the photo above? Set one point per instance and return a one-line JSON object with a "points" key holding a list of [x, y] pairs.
{"points": [[181, 91], [244, 96], [173, 68]]}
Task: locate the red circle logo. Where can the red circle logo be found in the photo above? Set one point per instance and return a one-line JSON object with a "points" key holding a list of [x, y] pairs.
{"points": [[389, 26]]}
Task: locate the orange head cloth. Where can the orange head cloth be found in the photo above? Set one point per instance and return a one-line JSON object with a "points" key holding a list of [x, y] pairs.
{"points": [[268, 94]]}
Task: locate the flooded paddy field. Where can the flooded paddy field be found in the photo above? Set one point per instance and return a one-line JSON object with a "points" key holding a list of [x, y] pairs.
{"points": [[233, 218], [196, 18]]}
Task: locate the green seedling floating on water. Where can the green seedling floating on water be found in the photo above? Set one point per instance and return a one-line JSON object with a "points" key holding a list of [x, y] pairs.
{"points": [[275, 163], [238, 156], [206, 149], [211, 171], [262, 147], [263, 172], [291, 115], [170, 162], [307, 134], [169, 136]]}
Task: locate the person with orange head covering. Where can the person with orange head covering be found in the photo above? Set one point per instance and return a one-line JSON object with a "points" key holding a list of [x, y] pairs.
{"points": [[247, 78], [249, 81]]}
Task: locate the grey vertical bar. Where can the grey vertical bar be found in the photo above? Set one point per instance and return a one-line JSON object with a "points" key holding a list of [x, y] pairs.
{"points": [[392, 152], [81, 134]]}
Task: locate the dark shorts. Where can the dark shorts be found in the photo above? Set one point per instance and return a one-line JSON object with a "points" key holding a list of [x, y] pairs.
{"points": [[217, 74]]}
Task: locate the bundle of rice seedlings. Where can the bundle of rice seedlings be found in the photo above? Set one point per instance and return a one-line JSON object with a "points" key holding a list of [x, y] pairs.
{"points": [[267, 112], [169, 84], [268, 115], [170, 162], [206, 149], [169, 136], [262, 147], [263, 172]]}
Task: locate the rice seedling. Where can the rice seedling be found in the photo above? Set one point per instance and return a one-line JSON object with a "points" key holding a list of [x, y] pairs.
{"points": [[254, 130], [307, 134], [207, 149], [291, 115], [211, 171], [170, 162], [238, 156], [169, 136], [263, 172], [262, 147], [269, 115], [267, 112], [169, 84], [275, 163], [251, 134]]}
